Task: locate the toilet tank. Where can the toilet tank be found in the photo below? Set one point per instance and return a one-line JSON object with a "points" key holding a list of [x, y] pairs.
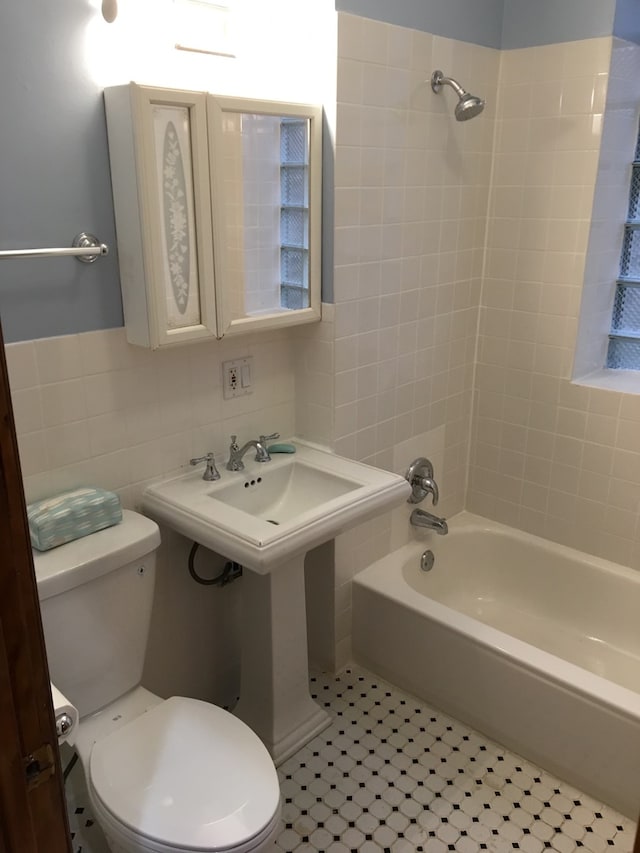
{"points": [[95, 599]]}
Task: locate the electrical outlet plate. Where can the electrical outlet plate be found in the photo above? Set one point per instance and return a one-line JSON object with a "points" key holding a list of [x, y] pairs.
{"points": [[237, 377]]}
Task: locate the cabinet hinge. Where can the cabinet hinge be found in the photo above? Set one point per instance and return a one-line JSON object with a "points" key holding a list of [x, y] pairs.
{"points": [[39, 766]]}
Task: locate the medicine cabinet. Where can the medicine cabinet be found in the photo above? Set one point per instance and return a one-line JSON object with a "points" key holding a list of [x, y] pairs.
{"points": [[218, 212]]}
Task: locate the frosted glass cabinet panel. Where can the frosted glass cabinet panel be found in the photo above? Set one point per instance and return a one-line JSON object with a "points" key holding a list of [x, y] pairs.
{"points": [[217, 204], [174, 174]]}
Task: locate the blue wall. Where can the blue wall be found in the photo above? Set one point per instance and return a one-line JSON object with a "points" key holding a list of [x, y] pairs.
{"points": [[532, 22], [54, 174], [626, 24], [477, 21], [507, 23]]}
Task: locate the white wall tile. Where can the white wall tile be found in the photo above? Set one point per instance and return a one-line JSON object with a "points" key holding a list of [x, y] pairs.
{"points": [[63, 402], [67, 444], [27, 409], [22, 365], [58, 358]]}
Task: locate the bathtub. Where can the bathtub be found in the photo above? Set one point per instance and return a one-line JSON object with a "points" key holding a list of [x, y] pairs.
{"points": [[533, 644]]}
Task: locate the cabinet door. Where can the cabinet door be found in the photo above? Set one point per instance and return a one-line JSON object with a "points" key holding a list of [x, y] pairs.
{"points": [[265, 164], [160, 175]]}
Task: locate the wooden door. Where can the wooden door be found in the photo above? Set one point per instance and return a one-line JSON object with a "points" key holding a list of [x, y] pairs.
{"points": [[33, 816]]}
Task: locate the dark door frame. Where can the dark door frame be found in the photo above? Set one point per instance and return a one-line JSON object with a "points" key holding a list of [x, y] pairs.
{"points": [[33, 817]]}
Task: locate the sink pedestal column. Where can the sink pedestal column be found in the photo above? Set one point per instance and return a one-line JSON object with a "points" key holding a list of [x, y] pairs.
{"points": [[274, 683]]}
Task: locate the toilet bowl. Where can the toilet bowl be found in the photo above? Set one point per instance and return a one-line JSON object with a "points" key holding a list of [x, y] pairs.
{"points": [[163, 775]]}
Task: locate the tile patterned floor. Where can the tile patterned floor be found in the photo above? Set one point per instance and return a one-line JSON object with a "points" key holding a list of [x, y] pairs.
{"points": [[392, 774]]}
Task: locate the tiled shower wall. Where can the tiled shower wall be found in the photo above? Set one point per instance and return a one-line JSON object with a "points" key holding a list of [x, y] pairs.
{"points": [[411, 192], [610, 207], [558, 459], [411, 189]]}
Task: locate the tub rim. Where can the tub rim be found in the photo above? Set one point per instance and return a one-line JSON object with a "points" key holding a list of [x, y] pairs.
{"points": [[595, 688]]}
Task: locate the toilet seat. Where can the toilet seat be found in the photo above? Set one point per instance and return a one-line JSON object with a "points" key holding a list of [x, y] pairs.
{"points": [[124, 840], [186, 775]]}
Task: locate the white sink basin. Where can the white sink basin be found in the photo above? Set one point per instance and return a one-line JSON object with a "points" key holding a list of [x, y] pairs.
{"points": [[284, 493], [275, 510]]}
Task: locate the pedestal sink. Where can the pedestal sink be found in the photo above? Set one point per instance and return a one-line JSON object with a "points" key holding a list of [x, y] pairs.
{"points": [[267, 517]]}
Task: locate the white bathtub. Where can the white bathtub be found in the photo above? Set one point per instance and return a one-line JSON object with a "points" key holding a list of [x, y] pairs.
{"points": [[534, 644]]}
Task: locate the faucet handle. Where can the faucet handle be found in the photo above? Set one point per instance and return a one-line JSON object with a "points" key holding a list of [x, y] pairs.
{"points": [[429, 487], [420, 478], [262, 451], [210, 472]]}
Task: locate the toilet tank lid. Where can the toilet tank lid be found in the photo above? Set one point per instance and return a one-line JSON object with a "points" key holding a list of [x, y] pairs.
{"points": [[83, 560]]}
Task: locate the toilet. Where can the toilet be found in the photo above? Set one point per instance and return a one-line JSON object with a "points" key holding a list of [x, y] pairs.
{"points": [[163, 775]]}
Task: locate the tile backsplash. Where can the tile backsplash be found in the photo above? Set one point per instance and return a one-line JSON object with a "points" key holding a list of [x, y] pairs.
{"points": [[92, 409]]}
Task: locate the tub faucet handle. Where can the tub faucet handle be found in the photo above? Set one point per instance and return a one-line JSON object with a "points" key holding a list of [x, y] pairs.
{"points": [[430, 487], [420, 478]]}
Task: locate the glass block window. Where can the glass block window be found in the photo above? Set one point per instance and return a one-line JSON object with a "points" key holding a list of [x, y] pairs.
{"points": [[624, 338], [294, 213]]}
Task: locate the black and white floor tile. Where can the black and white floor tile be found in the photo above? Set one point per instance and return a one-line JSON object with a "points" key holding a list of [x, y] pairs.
{"points": [[392, 774]]}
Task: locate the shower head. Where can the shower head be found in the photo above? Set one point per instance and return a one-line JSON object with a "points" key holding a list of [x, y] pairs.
{"points": [[468, 105]]}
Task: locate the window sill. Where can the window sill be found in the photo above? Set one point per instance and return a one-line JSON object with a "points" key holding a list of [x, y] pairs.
{"points": [[624, 381]]}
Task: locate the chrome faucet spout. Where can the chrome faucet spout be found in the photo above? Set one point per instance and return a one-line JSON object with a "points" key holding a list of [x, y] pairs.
{"points": [[422, 518], [236, 453]]}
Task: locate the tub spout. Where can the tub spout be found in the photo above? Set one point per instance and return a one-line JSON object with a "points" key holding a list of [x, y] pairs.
{"points": [[421, 518]]}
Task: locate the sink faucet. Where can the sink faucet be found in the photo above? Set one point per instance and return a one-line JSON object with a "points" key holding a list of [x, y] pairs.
{"points": [[236, 453], [422, 518]]}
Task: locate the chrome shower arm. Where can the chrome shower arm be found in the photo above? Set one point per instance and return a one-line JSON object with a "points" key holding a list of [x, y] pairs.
{"points": [[438, 80]]}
